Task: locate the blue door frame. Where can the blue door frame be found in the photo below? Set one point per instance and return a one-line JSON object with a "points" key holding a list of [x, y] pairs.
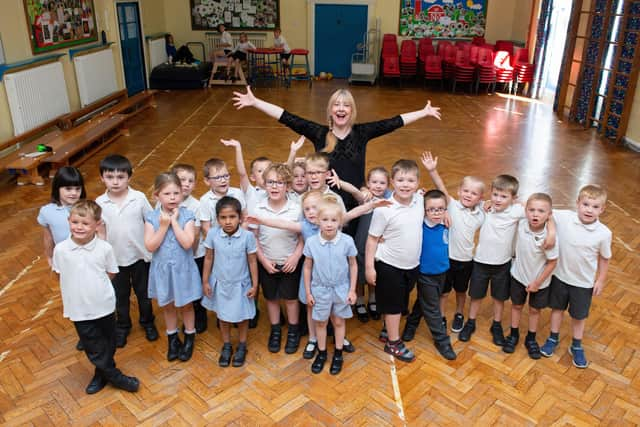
{"points": [[131, 46], [338, 30]]}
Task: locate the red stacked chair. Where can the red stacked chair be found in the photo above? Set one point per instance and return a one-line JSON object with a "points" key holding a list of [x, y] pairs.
{"points": [[389, 60], [408, 59], [425, 48], [505, 45], [448, 60], [473, 54], [478, 41], [486, 70], [464, 71], [433, 68], [522, 70], [504, 70], [442, 47]]}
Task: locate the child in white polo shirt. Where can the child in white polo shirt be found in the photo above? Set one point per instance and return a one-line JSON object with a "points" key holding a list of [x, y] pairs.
{"points": [[585, 250], [86, 264], [123, 211], [466, 216], [492, 260], [392, 253], [531, 272], [279, 257]]}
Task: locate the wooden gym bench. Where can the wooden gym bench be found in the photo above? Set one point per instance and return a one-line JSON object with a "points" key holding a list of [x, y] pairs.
{"points": [[78, 135]]}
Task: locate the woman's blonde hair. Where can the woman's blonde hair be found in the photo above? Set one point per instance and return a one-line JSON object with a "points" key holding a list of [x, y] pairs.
{"points": [[345, 95]]}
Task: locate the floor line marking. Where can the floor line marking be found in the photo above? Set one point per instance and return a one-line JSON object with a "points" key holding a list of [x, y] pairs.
{"points": [[170, 134], [4, 355], [621, 209], [397, 396], [19, 276]]}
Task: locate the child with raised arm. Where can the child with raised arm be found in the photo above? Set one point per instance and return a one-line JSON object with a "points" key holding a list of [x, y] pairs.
{"points": [[86, 264], [377, 188], [123, 214], [392, 254], [252, 193], [217, 178], [330, 281], [174, 281], [531, 272], [585, 250], [230, 278], [466, 216], [434, 263], [187, 176]]}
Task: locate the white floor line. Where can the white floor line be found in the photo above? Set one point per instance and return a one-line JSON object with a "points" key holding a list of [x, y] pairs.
{"points": [[397, 396], [4, 354], [170, 134], [22, 273], [626, 246], [617, 206]]}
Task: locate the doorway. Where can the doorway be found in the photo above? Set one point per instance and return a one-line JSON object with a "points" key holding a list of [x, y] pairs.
{"points": [[131, 46], [338, 30], [559, 25]]}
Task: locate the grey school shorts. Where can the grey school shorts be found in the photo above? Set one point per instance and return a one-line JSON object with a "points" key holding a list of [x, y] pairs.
{"points": [[329, 301]]}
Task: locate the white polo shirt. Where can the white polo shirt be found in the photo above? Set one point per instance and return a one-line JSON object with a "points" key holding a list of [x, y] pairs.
{"points": [[208, 202], [531, 257], [125, 226], [580, 246], [464, 224], [401, 228], [497, 235], [193, 205], [87, 292], [277, 245]]}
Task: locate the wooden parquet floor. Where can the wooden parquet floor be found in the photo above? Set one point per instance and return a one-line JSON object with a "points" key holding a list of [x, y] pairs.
{"points": [[42, 376]]}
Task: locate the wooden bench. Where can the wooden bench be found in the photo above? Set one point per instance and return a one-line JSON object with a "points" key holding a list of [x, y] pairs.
{"points": [[78, 135]]}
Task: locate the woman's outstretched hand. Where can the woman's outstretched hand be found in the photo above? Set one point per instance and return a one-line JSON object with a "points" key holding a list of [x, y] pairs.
{"points": [[432, 111], [241, 100]]}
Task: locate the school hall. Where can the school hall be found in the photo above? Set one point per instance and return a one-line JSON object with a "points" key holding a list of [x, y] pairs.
{"points": [[483, 133]]}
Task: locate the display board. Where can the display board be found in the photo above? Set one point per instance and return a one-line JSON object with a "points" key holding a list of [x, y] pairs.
{"points": [[235, 14], [442, 18], [60, 23]]}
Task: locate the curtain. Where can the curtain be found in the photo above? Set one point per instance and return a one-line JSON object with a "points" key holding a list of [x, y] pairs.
{"points": [[542, 38]]}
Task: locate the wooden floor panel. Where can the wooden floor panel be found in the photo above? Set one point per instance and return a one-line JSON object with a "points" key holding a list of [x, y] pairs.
{"points": [[42, 376]]}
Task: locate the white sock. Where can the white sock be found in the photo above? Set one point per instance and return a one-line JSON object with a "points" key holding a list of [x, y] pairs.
{"points": [[187, 331], [172, 332]]}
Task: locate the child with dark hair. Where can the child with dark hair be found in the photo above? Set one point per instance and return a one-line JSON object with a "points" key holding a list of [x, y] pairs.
{"points": [[230, 277], [123, 211]]}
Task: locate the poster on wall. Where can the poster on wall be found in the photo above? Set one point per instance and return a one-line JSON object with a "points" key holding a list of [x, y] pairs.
{"points": [[56, 24], [235, 14], [442, 18]]}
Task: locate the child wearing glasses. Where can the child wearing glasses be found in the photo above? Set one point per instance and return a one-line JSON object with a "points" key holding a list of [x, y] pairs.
{"points": [[317, 171], [217, 178], [279, 256], [434, 263]]}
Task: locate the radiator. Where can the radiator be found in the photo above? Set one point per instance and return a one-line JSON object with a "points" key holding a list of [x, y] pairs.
{"points": [[157, 52], [213, 40], [96, 76], [36, 96]]}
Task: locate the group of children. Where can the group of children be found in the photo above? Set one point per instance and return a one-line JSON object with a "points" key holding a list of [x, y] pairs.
{"points": [[282, 229]]}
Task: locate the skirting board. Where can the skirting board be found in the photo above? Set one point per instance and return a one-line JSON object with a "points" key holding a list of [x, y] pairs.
{"points": [[634, 145]]}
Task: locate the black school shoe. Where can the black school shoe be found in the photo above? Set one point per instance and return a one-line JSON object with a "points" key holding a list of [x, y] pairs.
{"points": [[126, 383], [533, 349], [347, 345], [79, 346], [240, 356], [466, 332], [362, 313], [318, 363], [293, 339], [510, 344], [372, 307], [498, 334], [310, 350], [225, 355], [97, 383], [446, 351], [121, 338], [150, 332], [175, 345], [336, 364], [409, 333], [275, 339]]}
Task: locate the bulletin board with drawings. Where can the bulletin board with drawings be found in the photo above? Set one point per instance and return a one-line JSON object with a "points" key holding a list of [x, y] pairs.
{"points": [[235, 14]]}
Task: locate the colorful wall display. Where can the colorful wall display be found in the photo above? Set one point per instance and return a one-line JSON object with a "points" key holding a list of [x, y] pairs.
{"points": [[442, 18], [56, 24], [235, 14]]}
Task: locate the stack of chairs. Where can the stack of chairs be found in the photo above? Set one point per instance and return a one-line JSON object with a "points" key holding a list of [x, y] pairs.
{"points": [[464, 71], [408, 59], [448, 54], [389, 57], [523, 71], [505, 45], [433, 69], [425, 48], [486, 71], [504, 70]]}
